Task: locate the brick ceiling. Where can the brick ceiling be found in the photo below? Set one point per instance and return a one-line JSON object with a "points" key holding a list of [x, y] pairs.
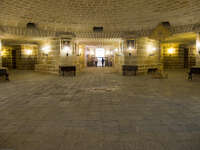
{"points": [[113, 15]]}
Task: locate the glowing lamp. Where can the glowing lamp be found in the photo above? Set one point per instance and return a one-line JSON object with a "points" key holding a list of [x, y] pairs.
{"points": [[171, 50], [46, 49], [130, 48], [66, 49], [151, 50], [29, 52]]}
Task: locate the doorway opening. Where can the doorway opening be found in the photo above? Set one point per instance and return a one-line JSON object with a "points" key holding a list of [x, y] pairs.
{"points": [[100, 57]]}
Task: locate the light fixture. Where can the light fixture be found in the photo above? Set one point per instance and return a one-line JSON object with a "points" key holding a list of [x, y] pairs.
{"points": [[3, 53], [28, 52], [66, 50], [171, 51], [46, 49], [151, 50], [130, 48]]}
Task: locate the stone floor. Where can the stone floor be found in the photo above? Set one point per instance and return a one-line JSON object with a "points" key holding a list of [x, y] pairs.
{"points": [[99, 110]]}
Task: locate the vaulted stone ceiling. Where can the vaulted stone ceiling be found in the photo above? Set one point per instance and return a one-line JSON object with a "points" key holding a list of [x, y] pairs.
{"points": [[113, 15]]}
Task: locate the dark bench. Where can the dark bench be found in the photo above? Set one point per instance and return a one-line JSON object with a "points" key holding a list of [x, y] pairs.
{"points": [[3, 72], [63, 69], [129, 68], [193, 70], [152, 70]]}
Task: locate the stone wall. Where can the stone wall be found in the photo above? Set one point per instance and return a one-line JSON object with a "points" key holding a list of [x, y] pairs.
{"points": [[174, 55], [23, 57], [27, 57], [50, 63], [145, 55], [118, 62], [6, 56]]}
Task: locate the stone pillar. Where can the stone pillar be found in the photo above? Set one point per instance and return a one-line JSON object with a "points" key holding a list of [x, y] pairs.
{"points": [[48, 56]]}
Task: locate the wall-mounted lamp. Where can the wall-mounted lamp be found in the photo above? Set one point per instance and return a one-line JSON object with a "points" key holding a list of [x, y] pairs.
{"points": [[171, 51], [46, 49], [28, 52], [130, 46], [66, 50], [151, 50]]}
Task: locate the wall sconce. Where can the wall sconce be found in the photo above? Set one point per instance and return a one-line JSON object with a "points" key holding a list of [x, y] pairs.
{"points": [[130, 50], [130, 46], [28, 52], [171, 51], [46, 49], [151, 50], [66, 50]]}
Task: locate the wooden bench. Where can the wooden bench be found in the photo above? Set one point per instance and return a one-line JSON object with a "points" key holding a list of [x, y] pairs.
{"points": [[4, 72], [129, 68], [63, 69], [193, 70]]}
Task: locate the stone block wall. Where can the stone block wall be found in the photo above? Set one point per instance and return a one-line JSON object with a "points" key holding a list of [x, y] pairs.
{"points": [[6, 56], [118, 62], [173, 59], [192, 55], [176, 59], [50, 63], [16, 57], [145, 55], [26, 60]]}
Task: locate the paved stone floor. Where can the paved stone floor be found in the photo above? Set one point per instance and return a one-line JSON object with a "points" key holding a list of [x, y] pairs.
{"points": [[99, 110]]}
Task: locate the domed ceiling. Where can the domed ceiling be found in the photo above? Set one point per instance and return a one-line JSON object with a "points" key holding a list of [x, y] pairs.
{"points": [[113, 15]]}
